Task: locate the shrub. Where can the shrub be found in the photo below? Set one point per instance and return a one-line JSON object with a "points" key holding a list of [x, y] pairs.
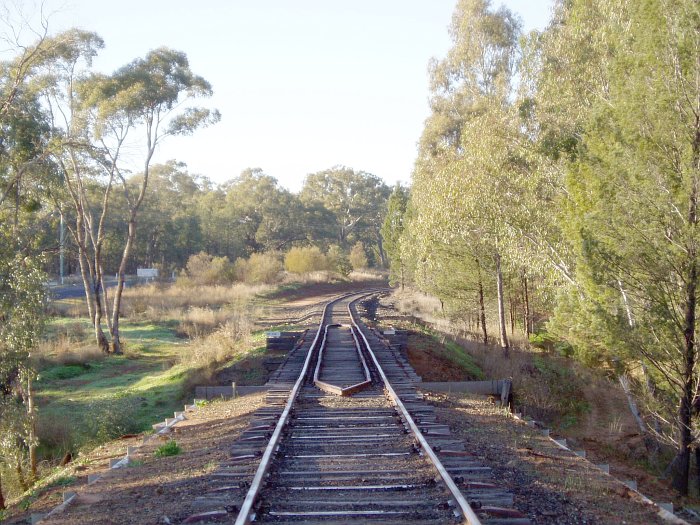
{"points": [[358, 257], [202, 269], [260, 268], [171, 448], [304, 260], [338, 261]]}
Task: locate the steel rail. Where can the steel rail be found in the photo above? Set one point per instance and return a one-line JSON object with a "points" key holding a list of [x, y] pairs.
{"points": [[334, 389], [244, 514], [467, 512]]}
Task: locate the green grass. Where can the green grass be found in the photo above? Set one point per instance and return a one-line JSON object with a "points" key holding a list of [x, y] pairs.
{"points": [[112, 396], [461, 358], [453, 352], [171, 448]]}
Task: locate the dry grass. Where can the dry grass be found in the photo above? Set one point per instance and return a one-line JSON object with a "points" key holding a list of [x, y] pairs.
{"points": [[154, 298], [66, 350], [198, 322], [198, 310], [368, 275], [230, 339], [320, 276]]}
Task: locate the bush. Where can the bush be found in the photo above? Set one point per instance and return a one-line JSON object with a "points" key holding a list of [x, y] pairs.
{"points": [[305, 260], [171, 448], [203, 269], [260, 268], [358, 257], [338, 261]]}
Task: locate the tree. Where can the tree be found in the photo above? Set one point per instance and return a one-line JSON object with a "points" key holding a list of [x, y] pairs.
{"points": [[149, 93], [467, 182], [356, 199], [96, 114], [392, 230], [635, 193]]}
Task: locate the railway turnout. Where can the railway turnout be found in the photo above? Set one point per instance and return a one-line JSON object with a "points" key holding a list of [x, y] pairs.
{"points": [[346, 438]]}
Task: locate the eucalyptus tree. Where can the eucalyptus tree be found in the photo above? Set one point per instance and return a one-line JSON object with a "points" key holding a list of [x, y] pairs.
{"points": [[357, 201], [95, 116], [465, 180], [392, 230], [264, 215], [169, 217], [148, 96]]}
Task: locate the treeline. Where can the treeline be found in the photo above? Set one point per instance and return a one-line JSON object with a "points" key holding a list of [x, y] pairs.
{"points": [[556, 190], [184, 214]]}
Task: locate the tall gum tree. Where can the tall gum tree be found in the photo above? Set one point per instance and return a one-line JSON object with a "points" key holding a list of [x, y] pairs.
{"points": [[463, 175], [150, 96]]}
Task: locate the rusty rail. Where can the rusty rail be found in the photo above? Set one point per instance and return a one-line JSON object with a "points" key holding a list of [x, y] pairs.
{"points": [[334, 389], [470, 518]]}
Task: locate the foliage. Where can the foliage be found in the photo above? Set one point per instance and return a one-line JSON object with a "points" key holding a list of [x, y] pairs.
{"points": [[356, 201], [392, 232], [259, 268], [358, 256], [205, 269], [337, 260], [171, 448], [305, 260], [563, 168]]}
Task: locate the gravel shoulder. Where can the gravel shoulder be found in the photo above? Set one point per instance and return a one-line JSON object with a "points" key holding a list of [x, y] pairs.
{"points": [[551, 485]]}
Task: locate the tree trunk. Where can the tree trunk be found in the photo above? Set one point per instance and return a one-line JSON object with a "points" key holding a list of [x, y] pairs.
{"points": [[512, 313], [697, 466], [482, 308], [380, 247], [97, 321], [2, 494], [682, 468], [632, 403], [501, 308], [526, 306], [86, 282], [20, 474], [116, 306], [32, 430]]}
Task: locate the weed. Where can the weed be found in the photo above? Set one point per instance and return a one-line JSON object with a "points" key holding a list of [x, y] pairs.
{"points": [[615, 426], [135, 463], [171, 448], [575, 483], [202, 402], [62, 481]]}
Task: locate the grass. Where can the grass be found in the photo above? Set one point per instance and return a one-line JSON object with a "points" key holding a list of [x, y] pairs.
{"points": [[171, 448], [85, 397], [445, 350]]}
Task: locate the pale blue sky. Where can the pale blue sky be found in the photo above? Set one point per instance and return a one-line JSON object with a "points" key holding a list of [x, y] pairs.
{"points": [[302, 85]]}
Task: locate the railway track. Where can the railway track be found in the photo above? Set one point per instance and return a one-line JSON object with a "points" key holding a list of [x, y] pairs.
{"points": [[346, 438]]}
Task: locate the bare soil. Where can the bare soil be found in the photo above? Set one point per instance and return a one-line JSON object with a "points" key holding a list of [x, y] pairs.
{"points": [[551, 485], [152, 490], [424, 354]]}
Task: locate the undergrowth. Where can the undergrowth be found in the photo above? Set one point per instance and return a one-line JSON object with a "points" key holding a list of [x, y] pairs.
{"points": [[171, 448]]}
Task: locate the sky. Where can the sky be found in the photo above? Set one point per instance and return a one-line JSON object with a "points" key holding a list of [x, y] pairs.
{"points": [[302, 85]]}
